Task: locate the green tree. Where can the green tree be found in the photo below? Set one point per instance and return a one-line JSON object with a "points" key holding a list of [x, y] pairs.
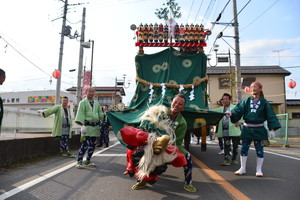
{"points": [[171, 7]]}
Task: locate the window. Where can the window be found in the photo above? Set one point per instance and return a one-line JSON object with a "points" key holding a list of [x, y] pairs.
{"points": [[3, 100], [17, 100], [295, 115], [224, 83], [105, 100], [247, 81], [13, 100]]}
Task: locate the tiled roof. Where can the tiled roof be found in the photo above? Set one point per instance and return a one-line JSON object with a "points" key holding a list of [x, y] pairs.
{"points": [[249, 70], [99, 89], [293, 102]]}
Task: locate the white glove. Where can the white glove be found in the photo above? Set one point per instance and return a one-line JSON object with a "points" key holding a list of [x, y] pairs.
{"points": [[83, 129], [271, 134], [228, 114], [40, 112]]}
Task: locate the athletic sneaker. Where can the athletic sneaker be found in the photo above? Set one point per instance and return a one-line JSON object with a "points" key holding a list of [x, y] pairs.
{"points": [[226, 163], [70, 155], [221, 152], [234, 162], [189, 188], [62, 154], [88, 163], [79, 165], [139, 185]]}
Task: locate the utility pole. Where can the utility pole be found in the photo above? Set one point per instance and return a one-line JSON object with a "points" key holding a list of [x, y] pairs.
{"points": [[79, 92], [92, 60], [61, 50], [237, 56]]}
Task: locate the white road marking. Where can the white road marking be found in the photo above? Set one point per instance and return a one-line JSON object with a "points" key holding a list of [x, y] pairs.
{"points": [[278, 154], [110, 155], [44, 177], [270, 152]]}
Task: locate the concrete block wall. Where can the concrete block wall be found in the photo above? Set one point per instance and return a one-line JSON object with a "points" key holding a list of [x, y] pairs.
{"points": [[16, 151]]}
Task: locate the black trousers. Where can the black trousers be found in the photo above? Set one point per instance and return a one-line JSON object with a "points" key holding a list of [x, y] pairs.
{"points": [[227, 145]]}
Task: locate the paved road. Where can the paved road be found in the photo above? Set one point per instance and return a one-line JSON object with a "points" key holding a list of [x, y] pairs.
{"points": [[57, 178]]}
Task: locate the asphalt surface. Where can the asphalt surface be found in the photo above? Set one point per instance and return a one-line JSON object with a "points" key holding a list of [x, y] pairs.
{"points": [[56, 177]]}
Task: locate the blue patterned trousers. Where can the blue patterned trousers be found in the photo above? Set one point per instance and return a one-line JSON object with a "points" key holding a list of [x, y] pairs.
{"points": [[63, 144], [89, 145], [104, 136], [257, 144], [188, 169]]}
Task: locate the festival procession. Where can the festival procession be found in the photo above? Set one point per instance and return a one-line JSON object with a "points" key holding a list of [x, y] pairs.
{"points": [[190, 129]]}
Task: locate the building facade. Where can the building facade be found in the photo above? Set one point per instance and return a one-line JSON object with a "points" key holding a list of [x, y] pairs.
{"points": [[222, 79], [111, 96], [33, 100]]}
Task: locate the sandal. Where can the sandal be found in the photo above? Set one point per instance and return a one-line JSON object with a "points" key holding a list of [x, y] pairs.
{"points": [[139, 185], [189, 188]]}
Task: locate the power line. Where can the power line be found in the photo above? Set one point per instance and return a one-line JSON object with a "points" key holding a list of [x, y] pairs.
{"points": [[230, 21], [237, 15], [25, 57], [110, 3], [190, 12], [268, 56], [259, 16], [208, 10], [218, 18], [198, 11], [217, 7]]}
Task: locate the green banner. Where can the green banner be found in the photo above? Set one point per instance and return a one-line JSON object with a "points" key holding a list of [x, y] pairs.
{"points": [[160, 77]]}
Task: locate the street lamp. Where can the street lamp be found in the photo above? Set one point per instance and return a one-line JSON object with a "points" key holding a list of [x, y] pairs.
{"points": [[88, 45], [128, 82], [216, 48]]}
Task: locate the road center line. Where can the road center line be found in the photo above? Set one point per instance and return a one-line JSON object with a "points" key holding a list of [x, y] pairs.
{"points": [[230, 189]]}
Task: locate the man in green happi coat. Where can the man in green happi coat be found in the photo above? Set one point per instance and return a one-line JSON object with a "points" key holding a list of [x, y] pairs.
{"points": [[88, 116], [62, 125]]}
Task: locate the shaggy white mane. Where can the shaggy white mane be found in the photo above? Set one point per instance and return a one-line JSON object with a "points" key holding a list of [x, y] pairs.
{"points": [[159, 116]]}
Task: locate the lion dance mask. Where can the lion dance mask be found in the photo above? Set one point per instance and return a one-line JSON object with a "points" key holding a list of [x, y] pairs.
{"points": [[151, 146]]}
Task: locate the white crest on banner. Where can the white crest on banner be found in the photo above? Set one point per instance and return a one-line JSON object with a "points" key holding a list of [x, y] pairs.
{"points": [[163, 89], [151, 92], [192, 96], [180, 88]]}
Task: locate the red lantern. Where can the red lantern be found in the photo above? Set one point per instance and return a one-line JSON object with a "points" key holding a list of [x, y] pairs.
{"points": [[292, 83], [247, 89], [56, 74]]}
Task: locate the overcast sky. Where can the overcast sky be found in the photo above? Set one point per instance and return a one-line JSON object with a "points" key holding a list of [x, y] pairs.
{"points": [[29, 47]]}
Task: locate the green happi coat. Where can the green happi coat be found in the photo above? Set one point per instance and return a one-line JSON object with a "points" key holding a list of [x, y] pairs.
{"points": [[250, 114], [58, 112], [233, 130], [180, 126], [91, 114]]}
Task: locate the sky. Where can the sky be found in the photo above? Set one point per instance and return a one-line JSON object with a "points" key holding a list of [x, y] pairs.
{"points": [[30, 38]]}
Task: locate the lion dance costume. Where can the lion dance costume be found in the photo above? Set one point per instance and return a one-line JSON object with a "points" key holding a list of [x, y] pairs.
{"points": [[151, 146]]}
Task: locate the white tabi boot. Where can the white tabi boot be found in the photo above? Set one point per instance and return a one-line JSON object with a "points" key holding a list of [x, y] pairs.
{"points": [[259, 163], [242, 170]]}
